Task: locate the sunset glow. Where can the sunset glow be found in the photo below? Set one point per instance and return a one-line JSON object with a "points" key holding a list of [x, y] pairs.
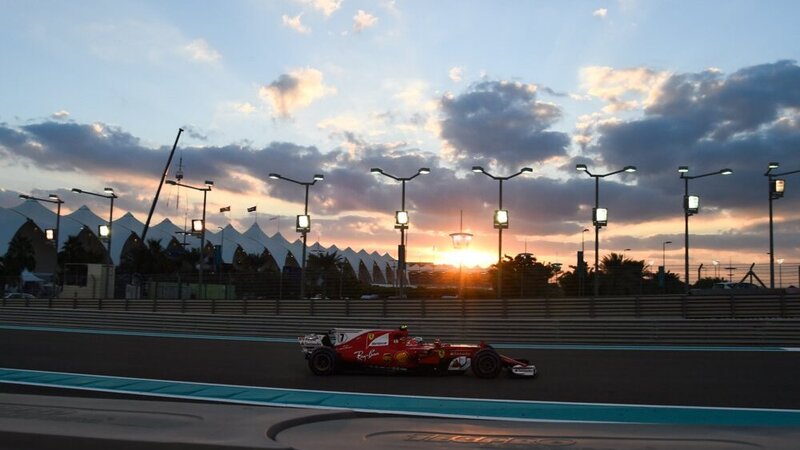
{"points": [[290, 88]]}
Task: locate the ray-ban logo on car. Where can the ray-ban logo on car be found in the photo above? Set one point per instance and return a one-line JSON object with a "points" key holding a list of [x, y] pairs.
{"points": [[362, 357]]}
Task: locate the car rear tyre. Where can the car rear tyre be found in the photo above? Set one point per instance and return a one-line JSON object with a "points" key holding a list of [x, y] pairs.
{"points": [[486, 363], [322, 361]]}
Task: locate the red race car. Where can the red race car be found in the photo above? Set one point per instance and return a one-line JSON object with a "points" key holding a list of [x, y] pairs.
{"points": [[394, 350]]}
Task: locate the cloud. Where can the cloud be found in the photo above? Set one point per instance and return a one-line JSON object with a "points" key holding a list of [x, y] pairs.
{"points": [[709, 120], [455, 73], [600, 12], [136, 42], [295, 23], [327, 7], [295, 90], [200, 51], [502, 123], [245, 108], [363, 20], [60, 115], [623, 89]]}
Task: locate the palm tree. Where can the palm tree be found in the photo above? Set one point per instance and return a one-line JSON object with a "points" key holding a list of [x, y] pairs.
{"points": [[324, 271], [74, 252], [525, 276], [20, 256], [623, 276]]}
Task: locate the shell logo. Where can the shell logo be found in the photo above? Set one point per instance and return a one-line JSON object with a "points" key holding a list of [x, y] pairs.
{"points": [[401, 357], [387, 357]]}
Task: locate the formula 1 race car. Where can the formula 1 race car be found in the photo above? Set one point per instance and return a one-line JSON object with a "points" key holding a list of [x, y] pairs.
{"points": [[394, 350]]}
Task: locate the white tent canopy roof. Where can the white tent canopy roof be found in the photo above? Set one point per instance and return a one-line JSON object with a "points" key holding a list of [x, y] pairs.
{"points": [[254, 240]]}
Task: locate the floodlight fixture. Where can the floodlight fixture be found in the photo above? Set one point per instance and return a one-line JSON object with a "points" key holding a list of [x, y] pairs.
{"points": [[50, 234], [198, 226], [303, 223], [777, 188], [691, 204], [104, 231], [424, 171], [501, 219], [599, 217], [400, 219]]}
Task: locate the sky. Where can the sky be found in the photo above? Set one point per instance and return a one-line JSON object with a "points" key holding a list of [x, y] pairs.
{"points": [[93, 95]]}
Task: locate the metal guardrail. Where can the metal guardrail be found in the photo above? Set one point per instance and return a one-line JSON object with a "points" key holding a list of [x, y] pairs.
{"points": [[677, 306], [749, 332]]}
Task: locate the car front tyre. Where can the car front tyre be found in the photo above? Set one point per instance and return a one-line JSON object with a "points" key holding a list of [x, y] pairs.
{"points": [[322, 361]]}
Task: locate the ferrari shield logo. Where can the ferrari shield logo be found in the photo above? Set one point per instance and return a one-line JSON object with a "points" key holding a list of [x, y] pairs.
{"points": [[371, 336], [441, 353]]}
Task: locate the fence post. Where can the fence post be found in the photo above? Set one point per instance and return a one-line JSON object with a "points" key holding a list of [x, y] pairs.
{"points": [[731, 299], [684, 307], [75, 300], [347, 307], [505, 307], [637, 307], [782, 300]]}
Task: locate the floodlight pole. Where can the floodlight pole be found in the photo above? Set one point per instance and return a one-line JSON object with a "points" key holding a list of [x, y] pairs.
{"points": [[478, 169], [111, 196], [307, 184], [771, 179], [53, 199], [683, 170], [401, 250], [597, 225], [204, 190]]}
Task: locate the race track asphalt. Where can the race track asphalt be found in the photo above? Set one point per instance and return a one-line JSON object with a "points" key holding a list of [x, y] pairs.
{"points": [[748, 379]]}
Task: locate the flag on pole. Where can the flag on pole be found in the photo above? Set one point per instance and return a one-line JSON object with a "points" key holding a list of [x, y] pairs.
{"points": [[251, 209], [225, 209]]}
